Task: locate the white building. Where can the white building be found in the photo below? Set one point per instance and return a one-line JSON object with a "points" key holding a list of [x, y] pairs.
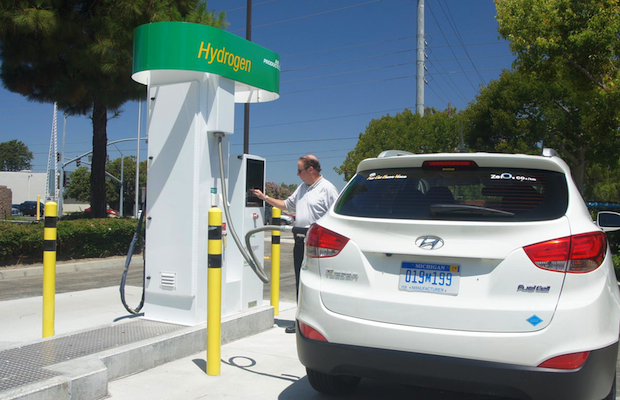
{"points": [[27, 185]]}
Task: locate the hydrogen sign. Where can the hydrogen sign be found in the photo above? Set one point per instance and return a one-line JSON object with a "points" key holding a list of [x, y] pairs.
{"points": [[182, 46]]}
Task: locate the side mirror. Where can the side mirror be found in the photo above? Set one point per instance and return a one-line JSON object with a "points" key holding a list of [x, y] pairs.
{"points": [[608, 221]]}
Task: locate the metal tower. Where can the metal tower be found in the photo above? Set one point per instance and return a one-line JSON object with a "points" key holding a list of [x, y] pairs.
{"points": [[51, 182]]}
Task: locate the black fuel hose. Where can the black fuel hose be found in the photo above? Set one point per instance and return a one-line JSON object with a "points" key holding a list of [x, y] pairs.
{"points": [[136, 237]]}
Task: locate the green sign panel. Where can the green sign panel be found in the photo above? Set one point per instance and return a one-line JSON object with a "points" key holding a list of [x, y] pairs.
{"points": [[202, 48]]}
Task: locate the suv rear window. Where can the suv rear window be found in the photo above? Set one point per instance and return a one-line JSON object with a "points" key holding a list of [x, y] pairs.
{"points": [[477, 194]]}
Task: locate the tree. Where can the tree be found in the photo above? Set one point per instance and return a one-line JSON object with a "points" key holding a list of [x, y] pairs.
{"points": [[15, 156], [78, 53], [506, 116], [79, 188], [436, 131], [572, 46], [278, 191], [289, 186], [605, 183], [520, 113], [129, 183]]}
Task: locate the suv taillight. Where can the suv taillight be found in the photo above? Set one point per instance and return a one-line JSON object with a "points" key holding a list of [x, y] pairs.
{"points": [[321, 242], [449, 164], [575, 254], [567, 361]]}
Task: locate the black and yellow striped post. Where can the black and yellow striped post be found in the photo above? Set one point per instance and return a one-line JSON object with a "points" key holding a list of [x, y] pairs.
{"points": [[276, 213], [214, 292], [49, 268]]}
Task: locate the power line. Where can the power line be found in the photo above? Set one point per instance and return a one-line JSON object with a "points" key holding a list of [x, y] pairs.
{"points": [[253, 5], [291, 160], [348, 47], [351, 72], [350, 84], [307, 151], [438, 96], [372, 69], [23, 109], [310, 15], [450, 47], [381, 42], [473, 44], [348, 60], [453, 25], [384, 80], [25, 117], [299, 141], [455, 88], [326, 118], [382, 55], [464, 33]]}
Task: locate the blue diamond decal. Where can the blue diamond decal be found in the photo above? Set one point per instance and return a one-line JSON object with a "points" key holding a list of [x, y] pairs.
{"points": [[534, 320]]}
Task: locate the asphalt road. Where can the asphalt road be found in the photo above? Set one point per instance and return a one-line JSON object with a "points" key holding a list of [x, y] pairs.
{"points": [[23, 287]]}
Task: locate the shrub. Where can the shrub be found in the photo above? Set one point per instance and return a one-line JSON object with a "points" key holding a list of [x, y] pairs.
{"points": [[82, 238]]}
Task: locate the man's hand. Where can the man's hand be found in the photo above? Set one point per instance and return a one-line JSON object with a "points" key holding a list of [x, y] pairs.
{"points": [[257, 193]]}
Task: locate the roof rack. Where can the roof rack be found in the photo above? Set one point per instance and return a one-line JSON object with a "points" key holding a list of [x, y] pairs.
{"points": [[394, 153]]}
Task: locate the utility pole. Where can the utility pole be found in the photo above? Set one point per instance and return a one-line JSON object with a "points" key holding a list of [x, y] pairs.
{"points": [[420, 80], [246, 106]]}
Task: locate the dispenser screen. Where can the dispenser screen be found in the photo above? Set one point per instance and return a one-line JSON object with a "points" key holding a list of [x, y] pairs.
{"points": [[255, 173]]}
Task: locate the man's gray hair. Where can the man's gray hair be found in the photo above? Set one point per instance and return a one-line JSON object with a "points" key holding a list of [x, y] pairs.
{"points": [[311, 161]]}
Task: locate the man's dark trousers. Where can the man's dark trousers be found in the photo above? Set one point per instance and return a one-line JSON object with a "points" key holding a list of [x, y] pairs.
{"points": [[298, 257]]}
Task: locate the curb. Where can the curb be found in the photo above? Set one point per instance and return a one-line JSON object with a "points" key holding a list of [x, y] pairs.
{"points": [[87, 377], [69, 266]]}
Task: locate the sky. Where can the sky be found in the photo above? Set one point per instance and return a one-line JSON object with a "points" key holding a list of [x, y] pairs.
{"points": [[343, 63]]}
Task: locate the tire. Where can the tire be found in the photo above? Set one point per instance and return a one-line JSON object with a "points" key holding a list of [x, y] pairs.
{"points": [[612, 392], [332, 384]]}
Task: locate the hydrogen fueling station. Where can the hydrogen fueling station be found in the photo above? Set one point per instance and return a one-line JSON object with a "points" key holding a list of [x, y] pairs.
{"points": [[194, 76]]}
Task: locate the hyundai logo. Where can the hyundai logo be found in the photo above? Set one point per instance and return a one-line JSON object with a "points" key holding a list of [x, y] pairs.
{"points": [[429, 242]]}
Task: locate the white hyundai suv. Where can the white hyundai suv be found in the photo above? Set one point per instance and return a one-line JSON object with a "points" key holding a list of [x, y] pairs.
{"points": [[475, 272]]}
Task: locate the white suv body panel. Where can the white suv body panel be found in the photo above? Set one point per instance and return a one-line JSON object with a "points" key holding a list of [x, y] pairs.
{"points": [[482, 159], [492, 262], [595, 319]]}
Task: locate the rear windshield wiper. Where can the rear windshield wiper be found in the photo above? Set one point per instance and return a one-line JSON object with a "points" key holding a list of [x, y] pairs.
{"points": [[444, 209]]}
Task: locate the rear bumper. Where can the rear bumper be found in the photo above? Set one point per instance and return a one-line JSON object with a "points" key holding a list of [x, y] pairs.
{"points": [[592, 381]]}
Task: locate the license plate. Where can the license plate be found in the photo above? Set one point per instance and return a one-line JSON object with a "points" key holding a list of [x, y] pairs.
{"points": [[431, 278]]}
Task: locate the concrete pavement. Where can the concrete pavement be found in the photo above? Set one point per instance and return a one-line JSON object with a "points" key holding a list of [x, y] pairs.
{"points": [[96, 339]]}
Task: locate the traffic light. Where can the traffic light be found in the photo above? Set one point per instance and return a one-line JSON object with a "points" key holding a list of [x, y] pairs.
{"points": [[67, 181], [78, 163], [58, 157]]}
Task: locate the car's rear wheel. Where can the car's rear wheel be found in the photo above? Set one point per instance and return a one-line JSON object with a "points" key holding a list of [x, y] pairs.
{"points": [[332, 384]]}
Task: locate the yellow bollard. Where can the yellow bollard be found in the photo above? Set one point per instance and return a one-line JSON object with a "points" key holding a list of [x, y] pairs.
{"points": [[214, 292], [276, 213], [49, 268]]}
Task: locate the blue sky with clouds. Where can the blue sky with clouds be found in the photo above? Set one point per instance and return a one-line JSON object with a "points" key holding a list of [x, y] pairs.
{"points": [[344, 62]]}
